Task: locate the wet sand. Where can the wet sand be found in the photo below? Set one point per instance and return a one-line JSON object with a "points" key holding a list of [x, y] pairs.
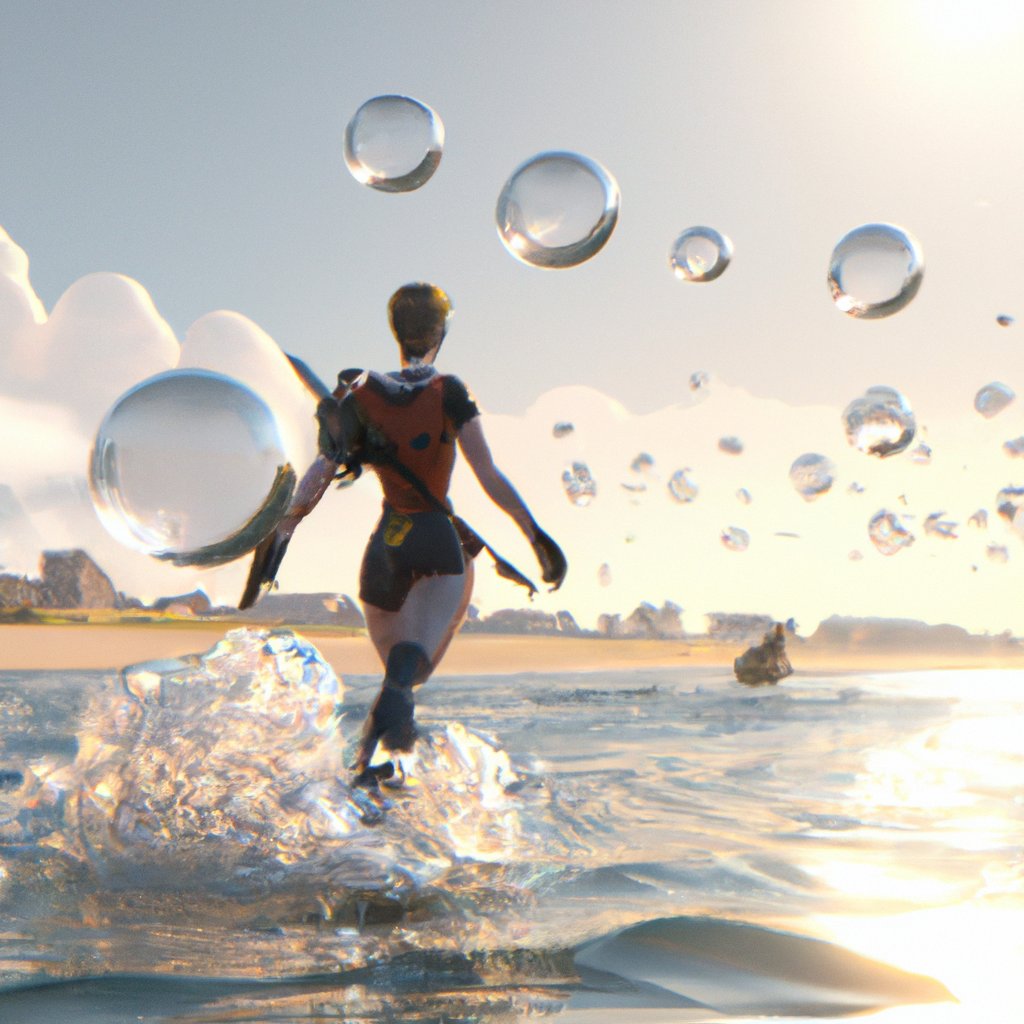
{"points": [[93, 646]]}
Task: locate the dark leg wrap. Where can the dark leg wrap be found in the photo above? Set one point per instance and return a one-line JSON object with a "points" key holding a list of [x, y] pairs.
{"points": [[391, 718]]}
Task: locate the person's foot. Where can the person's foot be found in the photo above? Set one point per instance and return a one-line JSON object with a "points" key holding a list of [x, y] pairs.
{"points": [[370, 776]]}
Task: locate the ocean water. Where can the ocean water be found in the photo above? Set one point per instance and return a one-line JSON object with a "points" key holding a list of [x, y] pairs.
{"points": [[177, 843]]}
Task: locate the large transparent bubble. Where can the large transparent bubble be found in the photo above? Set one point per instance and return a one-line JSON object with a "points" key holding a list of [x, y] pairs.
{"points": [[875, 271], [812, 475], [880, 422], [993, 398], [394, 143], [189, 466], [700, 254], [557, 210], [888, 533]]}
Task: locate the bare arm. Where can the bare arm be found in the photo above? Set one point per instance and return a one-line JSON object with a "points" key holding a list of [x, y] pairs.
{"points": [[496, 485], [500, 490]]}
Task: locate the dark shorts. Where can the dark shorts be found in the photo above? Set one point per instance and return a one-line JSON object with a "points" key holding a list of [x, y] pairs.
{"points": [[404, 548]]}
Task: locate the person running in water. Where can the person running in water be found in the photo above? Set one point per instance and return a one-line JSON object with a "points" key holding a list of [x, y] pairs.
{"points": [[416, 577]]}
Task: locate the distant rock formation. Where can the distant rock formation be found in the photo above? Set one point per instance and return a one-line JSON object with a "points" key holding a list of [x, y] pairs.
{"points": [[521, 621], [70, 579], [195, 603], [840, 633], [737, 626], [646, 621], [306, 609]]}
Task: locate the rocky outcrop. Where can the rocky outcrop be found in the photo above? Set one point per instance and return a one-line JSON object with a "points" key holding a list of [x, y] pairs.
{"points": [[737, 626], [306, 609], [645, 621], [196, 603], [16, 592], [71, 579]]}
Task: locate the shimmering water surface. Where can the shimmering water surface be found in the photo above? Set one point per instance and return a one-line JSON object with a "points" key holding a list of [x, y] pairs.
{"points": [[177, 842]]}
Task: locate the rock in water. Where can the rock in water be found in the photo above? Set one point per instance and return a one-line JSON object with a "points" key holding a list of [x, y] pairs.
{"points": [[766, 663]]}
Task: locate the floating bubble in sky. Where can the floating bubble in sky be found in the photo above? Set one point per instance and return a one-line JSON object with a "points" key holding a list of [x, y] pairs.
{"points": [[856, 556], [936, 526], [394, 143], [557, 210], [993, 398], [880, 422], [1005, 320], [875, 271], [604, 575], [681, 487], [743, 496], [997, 553], [735, 539], [699, 380], [888, 534], [1010, 505], [579, 484], [1015, 447], [730, 445], [562, 429], [855, 488], [642, 463], [189, 466], [812, 475], [700, 254], [979, 519], [922, 454]]}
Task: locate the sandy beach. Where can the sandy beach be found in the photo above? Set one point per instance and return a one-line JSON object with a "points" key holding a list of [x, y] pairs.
{"points": [[94, 646]]}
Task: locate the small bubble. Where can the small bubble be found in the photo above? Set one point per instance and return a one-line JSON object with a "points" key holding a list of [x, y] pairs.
{"points": [[921, 455], [190, 466], [875, 271], [604, 575], [979, 519], [557, 210], [730, 445], [562, 429], [855, 488], [812, 475], [1010, 506], [394, 143], [888, 534], [1015, 447], [993, 398], [630, 538], [1005, 320], [579, 485], [743, 496], [997, 553], [856, 556], [880, 422], [699, 380], [936, 526], [642, 463], [700, 254], [681, 487], [735, 539]]}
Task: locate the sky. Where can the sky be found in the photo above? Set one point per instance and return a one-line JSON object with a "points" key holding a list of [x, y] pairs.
{"points": [[195, 150]]}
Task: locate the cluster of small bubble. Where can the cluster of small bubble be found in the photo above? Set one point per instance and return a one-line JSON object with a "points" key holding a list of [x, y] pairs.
{"points": [[879, 422], [579, 484]]}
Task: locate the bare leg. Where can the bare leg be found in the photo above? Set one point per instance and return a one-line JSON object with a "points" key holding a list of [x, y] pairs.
{"points": [[411, 643]]}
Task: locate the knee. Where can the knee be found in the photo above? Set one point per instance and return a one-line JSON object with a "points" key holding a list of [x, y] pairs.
{"points": [[407, 665]]}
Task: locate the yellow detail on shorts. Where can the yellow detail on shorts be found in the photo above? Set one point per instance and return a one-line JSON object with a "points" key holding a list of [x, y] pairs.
{"points": [[396, 530]]}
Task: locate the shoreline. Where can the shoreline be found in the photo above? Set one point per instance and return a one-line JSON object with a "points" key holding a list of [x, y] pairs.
{"points": [[48, 647]]}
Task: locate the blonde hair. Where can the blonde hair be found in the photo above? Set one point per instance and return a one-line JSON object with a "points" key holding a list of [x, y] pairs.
{"points": [[415, 312]]}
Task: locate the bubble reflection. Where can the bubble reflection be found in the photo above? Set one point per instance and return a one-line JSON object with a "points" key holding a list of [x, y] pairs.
{"points": [[875, 271], [394, 143], [557, 210], [190, 466], [880, 422]]}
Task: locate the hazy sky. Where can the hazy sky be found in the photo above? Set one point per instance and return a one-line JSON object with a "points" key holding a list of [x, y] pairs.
{"points": [[197, 148]]}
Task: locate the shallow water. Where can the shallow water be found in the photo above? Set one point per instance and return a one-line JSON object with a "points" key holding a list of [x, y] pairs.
{"points": [[658, 845]]}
